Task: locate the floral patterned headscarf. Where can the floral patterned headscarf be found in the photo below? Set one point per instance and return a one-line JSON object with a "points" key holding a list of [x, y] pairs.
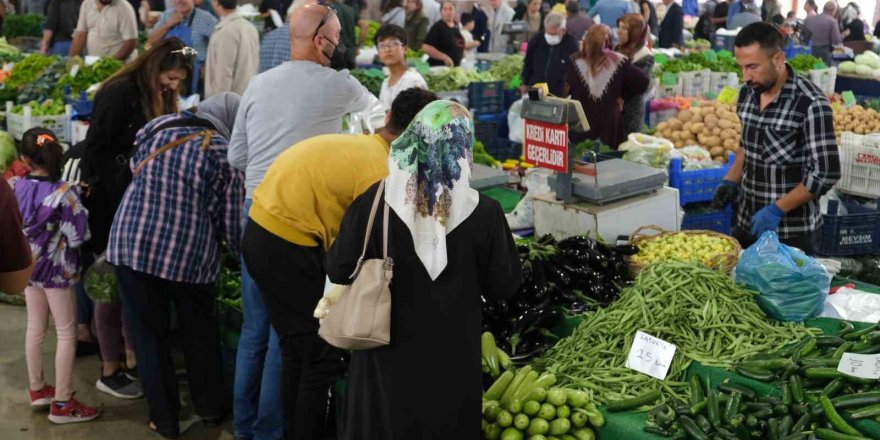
{"points": [[428, 184]]}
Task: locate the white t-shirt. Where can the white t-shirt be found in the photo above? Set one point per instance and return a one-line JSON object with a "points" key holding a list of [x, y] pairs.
{"points": [[410, 80], [469, 54]]}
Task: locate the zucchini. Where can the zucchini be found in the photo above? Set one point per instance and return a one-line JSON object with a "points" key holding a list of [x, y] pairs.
{"points": [[696, 388], [834, 387], [802, 424], [786, 393], [826, 341], [514, 386], [841, 350], [856, 400], [490, 353], [759, 374], [693, 431], [856, 335], [635, 402], [819, 362], [732, 407], [785, 426], [713, 409], [767, 364], [704, 424], [497, 389], [797, 388], [808, 347]]}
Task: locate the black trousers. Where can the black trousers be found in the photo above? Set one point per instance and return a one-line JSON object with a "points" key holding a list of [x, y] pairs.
{"points": [[291, 280], [806, 242], [147, 303]]}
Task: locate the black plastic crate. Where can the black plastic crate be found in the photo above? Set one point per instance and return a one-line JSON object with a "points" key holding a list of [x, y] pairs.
{"points": [[486, 97], [855, 233], [487, 127], [502, 149]]}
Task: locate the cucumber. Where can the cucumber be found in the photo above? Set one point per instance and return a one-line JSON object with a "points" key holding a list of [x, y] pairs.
{"points": [[856, 400], [635, 402], [490, 353], [830, 434]]}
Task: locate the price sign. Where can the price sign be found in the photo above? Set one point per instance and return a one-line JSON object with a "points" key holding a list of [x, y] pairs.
{"points": [[546, 145], [866, 366], [650, 355]]}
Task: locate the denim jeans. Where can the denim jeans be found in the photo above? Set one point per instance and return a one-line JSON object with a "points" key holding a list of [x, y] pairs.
{"points": [[257, 404]]}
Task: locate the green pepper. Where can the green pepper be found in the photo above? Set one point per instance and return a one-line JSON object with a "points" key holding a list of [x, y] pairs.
{"points": [[835, 419]]}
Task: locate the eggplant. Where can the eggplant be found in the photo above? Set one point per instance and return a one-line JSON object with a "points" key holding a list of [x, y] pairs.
{"points": [[626, 249]]}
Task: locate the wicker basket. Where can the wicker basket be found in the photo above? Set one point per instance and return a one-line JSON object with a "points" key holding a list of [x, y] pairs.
{"points": [[725, 262]]}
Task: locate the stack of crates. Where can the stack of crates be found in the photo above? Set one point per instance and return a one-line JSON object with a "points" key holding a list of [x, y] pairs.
{"points": [[853, 232], [695, 191], [487, 103]]}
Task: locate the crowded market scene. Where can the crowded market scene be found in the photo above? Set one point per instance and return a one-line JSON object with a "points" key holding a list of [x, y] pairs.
{"points": [[278, 219]]}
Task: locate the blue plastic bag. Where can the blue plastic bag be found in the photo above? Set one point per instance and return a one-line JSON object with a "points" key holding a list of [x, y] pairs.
{"points": [[793, 286]]}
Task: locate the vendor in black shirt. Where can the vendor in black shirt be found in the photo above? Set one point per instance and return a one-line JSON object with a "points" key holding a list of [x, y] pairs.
{"points": [[61, 18], [444, 43]]}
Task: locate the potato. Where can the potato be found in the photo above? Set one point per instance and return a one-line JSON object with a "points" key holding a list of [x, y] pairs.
{"points": [[690, 136], [729, 143], [698, 127], [713, 141], [718, 158], [685, 115], [702, 138], [687, 126], [677, 135], [716, 151], [730, 117], [675, 124], [726, 123], [728, 133], [716, 131], [662, 126], [679, 144], [711, 121]]}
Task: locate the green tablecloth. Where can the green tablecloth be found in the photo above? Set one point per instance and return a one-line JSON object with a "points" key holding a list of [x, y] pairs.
{"points": [[629, 426], [507, 197]]}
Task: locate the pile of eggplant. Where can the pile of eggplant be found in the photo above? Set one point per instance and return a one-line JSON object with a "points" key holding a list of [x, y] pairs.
{"points": [[571, 276]]}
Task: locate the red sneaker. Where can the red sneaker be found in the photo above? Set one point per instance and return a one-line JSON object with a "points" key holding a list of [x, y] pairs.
{"points": [[40, 400], [73, 411]]}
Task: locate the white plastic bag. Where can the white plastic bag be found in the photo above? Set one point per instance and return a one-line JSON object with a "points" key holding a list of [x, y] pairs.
{"points": [[852, 305], [647, 150], [523, 216], [515, 122]]}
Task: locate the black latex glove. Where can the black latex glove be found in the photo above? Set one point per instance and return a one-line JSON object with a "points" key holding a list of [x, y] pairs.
{"points": [[725, 194]]}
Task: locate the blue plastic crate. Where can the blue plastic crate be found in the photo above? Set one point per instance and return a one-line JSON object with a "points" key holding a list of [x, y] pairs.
{"points": [[855, 233], [511, 96], [82, 106], [792, 51], [486, 97], [703, 218], [697, 185]]}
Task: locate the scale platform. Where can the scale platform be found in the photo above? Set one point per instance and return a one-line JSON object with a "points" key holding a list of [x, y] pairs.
{"points": [[614, 179], [483, 177]]}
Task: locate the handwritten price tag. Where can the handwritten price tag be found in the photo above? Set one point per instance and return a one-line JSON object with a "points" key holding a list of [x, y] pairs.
{"points": [[650, 355], [866, 366]]}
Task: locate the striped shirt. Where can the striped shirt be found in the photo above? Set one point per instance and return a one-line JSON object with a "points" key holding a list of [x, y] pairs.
{"points": [[790, 142], [275, 48], [179, 208]]}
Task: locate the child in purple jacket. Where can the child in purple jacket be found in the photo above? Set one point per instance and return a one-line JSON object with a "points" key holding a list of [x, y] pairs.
{"points": [[56, 225]]}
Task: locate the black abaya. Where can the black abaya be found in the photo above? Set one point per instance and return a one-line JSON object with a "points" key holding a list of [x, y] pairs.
{"points": [[427, 382]]}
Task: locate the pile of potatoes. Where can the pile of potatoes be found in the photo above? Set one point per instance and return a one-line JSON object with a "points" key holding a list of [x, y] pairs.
{"points": [[712, 125], [856, 119]]}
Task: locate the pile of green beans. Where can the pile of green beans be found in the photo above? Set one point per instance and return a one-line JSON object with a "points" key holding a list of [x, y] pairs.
{"points": [[703, 312]]}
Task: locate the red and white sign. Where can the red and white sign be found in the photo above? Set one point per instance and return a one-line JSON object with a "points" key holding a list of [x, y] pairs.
{"points": [[546, 145]]}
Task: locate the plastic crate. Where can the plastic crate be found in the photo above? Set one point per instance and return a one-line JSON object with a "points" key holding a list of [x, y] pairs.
{"points": [[488, 126], [486, 97], [669, 91], [720, 80], [695, 83], [855, 233], [18, 124], [704, 218], [82, 106], [859, 164], [696, 185], [825, 79], [502, 149], [792, 51], [511, 96]]}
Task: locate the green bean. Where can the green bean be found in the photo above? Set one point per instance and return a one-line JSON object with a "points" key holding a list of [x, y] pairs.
{"points": [[707, 316]]}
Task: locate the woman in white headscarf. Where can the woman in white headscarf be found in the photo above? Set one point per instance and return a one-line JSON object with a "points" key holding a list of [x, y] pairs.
{"points": [[450, 245]]}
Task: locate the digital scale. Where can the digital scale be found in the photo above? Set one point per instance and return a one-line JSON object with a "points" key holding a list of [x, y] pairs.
{"points": [[603, 182], [483, 177], [518, 31]]}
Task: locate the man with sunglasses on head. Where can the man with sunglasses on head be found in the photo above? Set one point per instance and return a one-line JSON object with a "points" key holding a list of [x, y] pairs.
{"points": [[282, 106]]}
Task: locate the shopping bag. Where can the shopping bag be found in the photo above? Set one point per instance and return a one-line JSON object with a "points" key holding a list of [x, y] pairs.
{"points": [[792, 286]]}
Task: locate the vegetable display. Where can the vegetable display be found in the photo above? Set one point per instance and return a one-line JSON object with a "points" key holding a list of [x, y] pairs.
{"points": [[22, 25], [810, 394], [454, 78], [703, 312], [481, 156], [49, 107], [28, 70], [370, 78], [700, 61], [8, 152], [803, 63], [522, 404], [856, 119], [712, 125], [704, 249], [507, 68], [574, 274], [494, 359], [866, 64], [89, 75], [370, 38]]}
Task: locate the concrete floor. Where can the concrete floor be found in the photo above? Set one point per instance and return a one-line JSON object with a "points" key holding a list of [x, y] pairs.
{"points": [[120, 419]]}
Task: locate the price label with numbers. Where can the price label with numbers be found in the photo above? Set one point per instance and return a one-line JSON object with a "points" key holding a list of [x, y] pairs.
{"points": [[866, 366], [650, 355]]}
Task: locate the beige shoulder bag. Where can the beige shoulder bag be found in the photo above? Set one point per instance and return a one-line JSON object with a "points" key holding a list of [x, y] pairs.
{"points": [[360, 319]]}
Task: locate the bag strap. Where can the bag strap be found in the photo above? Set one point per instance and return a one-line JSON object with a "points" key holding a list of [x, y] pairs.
{"points": [[207, 134], [376, 200]]}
